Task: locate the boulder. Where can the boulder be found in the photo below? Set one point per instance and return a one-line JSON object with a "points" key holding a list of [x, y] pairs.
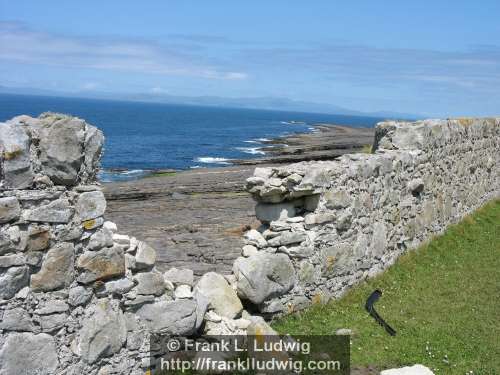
{"points": [[61, 148], [12, 280], [58, 211], [103, 332], [264, 276], [101, 265], [171, 317], [90, 205], [183, 291], [57, 269], [9, 209], [267, 212], [27, 353], [220, 295], [15, 157]]}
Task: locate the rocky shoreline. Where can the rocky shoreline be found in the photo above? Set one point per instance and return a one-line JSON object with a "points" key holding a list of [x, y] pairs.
{"points": [[195, 218]]}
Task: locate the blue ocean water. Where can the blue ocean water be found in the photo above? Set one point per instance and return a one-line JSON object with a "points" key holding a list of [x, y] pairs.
{"points": [[148, 136]]}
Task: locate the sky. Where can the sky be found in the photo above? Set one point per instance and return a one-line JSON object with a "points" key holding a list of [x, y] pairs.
{"points": [[433, 58]]}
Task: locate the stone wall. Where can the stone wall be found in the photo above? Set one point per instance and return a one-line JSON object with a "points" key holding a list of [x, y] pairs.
{"points": [[328, 225], [78, 297]]}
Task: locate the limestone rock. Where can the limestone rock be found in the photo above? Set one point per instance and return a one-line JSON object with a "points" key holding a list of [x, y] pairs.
{"points": [[413, 370], [263, 276], [27, 353], [267, 212], [38, 238], [259, 327], [101, 238], [183, 291], [12, 280], [90, 205], [16, 319], [254, 238], [150, 283], [120, 286], [172, 317], [79, 296], [145, 257], [12, 260], [57, 269], [101, 265], [337, 199], [180, 276], [9, 209], [103, 331], [220, 295], [15, 161], [58, 211], [249, 250]]}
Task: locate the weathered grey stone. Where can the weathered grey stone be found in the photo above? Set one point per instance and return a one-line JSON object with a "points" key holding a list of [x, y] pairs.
{"points": [[249, 250], [103, 332], [9, 209], [408, 370], [259, 327], [52, 307], [12, 280], [53, 322], [220, 295], [150, 283], [61, 149], [172, 317], [38, 238], [58, 211], [57, 269], [337, 199], [267, 212], [94, 141], [288, 238], [12, 260], [253, 237], [27, 353], [79, 296], [379, 239], [183, 291], [101, 265], [16, 319], [145, 257], [120, 286], [264, 276], [101, 238], [180, 276], [91, 205], [15, 157]]}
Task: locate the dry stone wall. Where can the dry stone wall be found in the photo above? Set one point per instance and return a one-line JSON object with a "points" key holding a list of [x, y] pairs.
{"points": [[78, 297], [327, 225]]}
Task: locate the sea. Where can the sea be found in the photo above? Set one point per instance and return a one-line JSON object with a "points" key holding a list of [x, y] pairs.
{"points": [[143, 137]]}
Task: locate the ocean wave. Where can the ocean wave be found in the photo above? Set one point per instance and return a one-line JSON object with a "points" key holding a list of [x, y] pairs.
{"points": [[293, 122], [212, 160], [263, 140], [251, 141], [194, 167], [251, 150]]}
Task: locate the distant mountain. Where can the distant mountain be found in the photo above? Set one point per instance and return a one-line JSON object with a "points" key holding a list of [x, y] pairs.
{"points": [[271, 103]]}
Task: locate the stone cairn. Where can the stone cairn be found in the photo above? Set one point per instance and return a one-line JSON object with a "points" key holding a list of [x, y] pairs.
{"points": [[78, 297]]}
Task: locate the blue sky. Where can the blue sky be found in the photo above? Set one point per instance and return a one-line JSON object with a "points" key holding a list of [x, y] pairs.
{"points": [[434, 58]]}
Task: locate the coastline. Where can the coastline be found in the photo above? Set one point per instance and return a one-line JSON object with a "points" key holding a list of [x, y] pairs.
{"points": [[194, 218]]}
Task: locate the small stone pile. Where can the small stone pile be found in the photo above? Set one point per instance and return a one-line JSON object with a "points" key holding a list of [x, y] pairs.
{"points": [[75, 295]]}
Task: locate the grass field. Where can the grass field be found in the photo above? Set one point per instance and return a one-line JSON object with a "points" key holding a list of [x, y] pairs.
{"points": [[443, 299]]}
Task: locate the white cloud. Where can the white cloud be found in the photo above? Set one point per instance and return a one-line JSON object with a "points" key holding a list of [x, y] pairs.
{"points": [[21, 44]]}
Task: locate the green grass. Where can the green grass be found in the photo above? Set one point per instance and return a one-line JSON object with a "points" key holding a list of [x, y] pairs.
{"points": [[443, 299]]}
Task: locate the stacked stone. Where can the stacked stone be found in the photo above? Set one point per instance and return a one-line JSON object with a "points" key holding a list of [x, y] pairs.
{"points": [[75, 295], [327, 225]]}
